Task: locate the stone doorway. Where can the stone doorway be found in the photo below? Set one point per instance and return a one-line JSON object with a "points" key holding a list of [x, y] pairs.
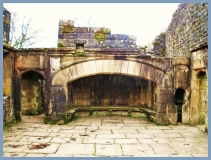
{"points": [[32, 93], [179, 101]]}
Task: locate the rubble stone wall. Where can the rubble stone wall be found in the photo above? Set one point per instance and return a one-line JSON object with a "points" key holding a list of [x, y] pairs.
{"points": [[94, 37], [188, 30], [6, 25], [159, 45]]}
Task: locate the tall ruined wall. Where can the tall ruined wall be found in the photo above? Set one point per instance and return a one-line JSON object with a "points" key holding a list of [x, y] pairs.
{"points": [[159, 45], [8, 66], [6, 25], [188, 29], [8, 87], [94, 37]]}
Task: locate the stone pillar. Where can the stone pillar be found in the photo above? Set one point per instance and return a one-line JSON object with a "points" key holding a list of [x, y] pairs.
{"points": [[166, 110], [58, 102], [206, 115]]}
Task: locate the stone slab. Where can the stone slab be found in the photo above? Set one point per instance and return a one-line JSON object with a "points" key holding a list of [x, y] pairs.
{"points": [[108, 150], [111, 136], [98, 141], [52, 148], [15, 147], [76, 149], [137, 150], [35, 139]]}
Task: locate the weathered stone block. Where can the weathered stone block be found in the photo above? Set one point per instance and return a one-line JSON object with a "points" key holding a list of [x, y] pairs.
{"points": [[7, 91], [82, 114], [83, 30], [198, 64], [172, 118], [66, 23], [202, 116], [185, 117], [119, 113], [194, 119], [7, 82], [137, 69], [195, 95], [180, 84], [66, 72], [195, 84], [118, 65], [138, 114], [99, 66], [131, 66], [149, 73], [92, 67], [111, 66], [86, 68], [161, 118], [100, 113], [161, 98], [124, 68], [105, 66], [59, 79]]}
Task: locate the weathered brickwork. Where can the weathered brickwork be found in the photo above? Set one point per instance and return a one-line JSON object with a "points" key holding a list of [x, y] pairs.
{"points": [[159, 45], [6, 25], [93, 37], [188, 29]]}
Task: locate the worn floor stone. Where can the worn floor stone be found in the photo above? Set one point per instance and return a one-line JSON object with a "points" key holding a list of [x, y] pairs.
{"points": [[108, 150], [137, 149], [113, 136], [52, 148], [73, 149]]}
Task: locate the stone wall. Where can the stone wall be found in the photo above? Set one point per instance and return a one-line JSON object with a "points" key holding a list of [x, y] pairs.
{"points": [[111, 90], [8, 110], [199, 88], [188, 30], [8, 87], [94, 37], [6, 25], [159, 45]]}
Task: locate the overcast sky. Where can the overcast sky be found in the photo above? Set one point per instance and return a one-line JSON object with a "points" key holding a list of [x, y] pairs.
{"points": [[145, 20]]}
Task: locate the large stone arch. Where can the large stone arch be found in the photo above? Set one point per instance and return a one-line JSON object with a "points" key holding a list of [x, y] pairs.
{"points": [[164, 101], [130, 68]]}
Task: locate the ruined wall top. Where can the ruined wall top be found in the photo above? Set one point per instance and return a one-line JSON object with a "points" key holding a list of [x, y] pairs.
{"points": [[6, 25], [92, 37], [188, 30]]}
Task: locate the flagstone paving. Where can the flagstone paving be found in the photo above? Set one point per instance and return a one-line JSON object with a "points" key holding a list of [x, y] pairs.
{"points": [[103, 137]]}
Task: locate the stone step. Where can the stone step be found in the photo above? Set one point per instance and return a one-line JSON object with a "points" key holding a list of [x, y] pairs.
{"points": [[150, 114]]}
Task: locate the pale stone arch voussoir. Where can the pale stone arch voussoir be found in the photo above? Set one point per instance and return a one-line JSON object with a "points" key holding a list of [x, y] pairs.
{"points": [[124, 67]]}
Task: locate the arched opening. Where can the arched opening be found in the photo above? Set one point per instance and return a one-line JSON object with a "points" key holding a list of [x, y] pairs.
{"points": [[202, 104], [111, 90], [179, 101], [32, 93]]}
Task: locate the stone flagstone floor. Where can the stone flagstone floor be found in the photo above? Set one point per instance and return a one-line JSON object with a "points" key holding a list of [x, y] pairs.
{"points": [[111, 136]]}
